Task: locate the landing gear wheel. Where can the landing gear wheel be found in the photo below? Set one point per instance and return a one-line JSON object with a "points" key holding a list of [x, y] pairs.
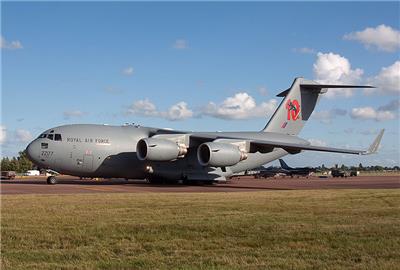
{"points": [[51, 180]]}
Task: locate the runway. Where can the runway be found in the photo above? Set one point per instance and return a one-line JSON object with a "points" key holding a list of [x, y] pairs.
{"points": [[70, 185]]}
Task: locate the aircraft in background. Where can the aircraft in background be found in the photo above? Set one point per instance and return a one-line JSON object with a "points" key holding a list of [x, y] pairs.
{"points": [[271, 171], [283, 170], [135, 152], [300, 171]]}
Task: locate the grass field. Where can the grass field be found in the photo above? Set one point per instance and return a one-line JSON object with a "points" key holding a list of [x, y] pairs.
{"points": [[324, 229]]}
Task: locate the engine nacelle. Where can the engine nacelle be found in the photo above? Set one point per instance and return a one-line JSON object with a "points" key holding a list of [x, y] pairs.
{"points": [[159, 149], [219, 154]]}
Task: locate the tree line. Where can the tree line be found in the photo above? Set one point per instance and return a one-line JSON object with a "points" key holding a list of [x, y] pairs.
{"points": [[360, 167], [19, 164]]}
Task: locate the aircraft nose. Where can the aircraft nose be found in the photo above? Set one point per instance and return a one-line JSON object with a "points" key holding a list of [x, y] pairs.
{"points": [[33, 150]]}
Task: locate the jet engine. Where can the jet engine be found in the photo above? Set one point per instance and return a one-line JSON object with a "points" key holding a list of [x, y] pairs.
{"points": [[159, 149], [219, 154]]}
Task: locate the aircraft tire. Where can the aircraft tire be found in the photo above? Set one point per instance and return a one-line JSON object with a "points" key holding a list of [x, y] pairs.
{"points": [[51, 180]]}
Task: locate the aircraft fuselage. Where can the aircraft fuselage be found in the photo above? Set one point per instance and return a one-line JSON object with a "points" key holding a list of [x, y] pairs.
{"points": [[143, 152], [110, 152]]}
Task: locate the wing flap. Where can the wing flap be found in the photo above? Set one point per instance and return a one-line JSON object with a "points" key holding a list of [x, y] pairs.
{"points": [[297, 148], [265, 146]]}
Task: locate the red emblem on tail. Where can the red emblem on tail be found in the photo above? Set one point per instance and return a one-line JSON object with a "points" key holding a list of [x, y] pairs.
{"points": [[293, 109]]}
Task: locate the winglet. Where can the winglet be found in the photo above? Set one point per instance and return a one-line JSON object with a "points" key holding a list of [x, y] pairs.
{"points": [[375, 145]]}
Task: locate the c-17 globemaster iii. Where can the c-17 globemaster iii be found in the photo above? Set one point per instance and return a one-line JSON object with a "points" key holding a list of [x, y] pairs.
{"points": [[135, 152]]}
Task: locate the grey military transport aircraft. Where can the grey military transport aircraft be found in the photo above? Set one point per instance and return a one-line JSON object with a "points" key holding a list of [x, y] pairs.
{"points": [[136, 152]]}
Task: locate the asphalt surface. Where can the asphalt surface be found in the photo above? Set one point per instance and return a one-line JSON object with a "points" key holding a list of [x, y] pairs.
{"points": [[70, 185]]}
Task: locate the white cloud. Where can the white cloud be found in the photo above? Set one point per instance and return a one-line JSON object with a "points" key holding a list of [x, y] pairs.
{"points": [[73, 113], [143, 107], [179, 111], [180, 44], [304, 50], [3, 134], [330, 68], [128, 71], [240, 106], [18, 136], [369, 113], [387, 81], [317, 142], [383, 37], [10, 45], [326, 116], [22, 135]]}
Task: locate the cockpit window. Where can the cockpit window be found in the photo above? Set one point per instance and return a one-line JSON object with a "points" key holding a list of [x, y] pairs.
{"points": [[50, 136], [42, 135], [52, 131], [57, 137]]}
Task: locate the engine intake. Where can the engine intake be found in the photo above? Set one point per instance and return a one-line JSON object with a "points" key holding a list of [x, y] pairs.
{"points": [[219, 154], [159, 150]]}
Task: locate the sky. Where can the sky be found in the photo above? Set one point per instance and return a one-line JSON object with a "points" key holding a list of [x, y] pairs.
{"points": [[202, 67]]}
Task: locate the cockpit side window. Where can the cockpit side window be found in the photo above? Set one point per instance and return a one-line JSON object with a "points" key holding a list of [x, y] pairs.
{"points": [[50, 136], [57, 137]]}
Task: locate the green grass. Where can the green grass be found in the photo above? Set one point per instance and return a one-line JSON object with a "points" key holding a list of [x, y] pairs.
{"points": [[343, 229]]}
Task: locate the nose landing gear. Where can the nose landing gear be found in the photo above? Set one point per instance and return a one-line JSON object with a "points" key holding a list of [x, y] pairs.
{"points": [[51, 180]]}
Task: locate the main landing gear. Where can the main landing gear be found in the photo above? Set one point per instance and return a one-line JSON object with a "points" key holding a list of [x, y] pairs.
{"points": [[51, 180]]}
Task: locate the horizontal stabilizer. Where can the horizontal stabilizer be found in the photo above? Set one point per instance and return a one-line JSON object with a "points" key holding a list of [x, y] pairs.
{"points": [[323, 86], [319, 86]]}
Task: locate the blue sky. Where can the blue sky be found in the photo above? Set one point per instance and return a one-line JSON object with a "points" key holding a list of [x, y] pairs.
{"points": [[181, 65]]}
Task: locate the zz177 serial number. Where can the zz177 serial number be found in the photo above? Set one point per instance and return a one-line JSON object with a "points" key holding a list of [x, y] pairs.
{"points": [[46, 154]]}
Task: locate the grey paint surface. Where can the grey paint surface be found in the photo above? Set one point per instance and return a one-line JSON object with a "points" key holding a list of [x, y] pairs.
{"points": [[88, 150]]}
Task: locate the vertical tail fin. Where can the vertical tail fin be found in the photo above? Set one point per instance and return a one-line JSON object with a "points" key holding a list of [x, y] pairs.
{"points": [[284, 165], [294, 110], [298, 104]]}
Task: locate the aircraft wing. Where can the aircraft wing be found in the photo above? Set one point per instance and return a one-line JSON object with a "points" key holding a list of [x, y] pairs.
{"points": [[297, 148], [267, 146]]}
